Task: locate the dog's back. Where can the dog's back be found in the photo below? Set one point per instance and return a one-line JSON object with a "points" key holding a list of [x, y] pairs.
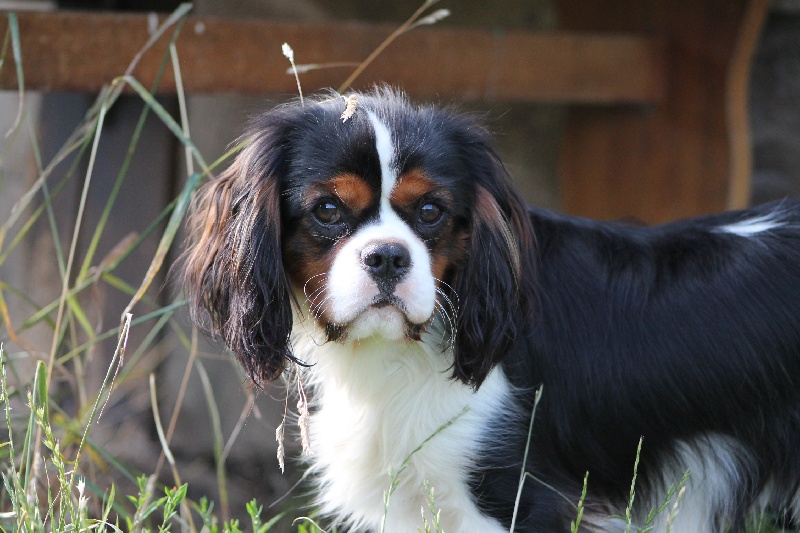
{"points": [[686, 335]]}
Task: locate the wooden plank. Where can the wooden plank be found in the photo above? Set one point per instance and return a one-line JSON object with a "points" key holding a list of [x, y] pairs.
{"points": [[674, 159], [737, 104], [80, 51]]}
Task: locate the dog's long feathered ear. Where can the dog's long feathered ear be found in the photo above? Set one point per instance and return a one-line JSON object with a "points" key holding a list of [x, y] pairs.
{"points": [[495, 284], [234, 275]]}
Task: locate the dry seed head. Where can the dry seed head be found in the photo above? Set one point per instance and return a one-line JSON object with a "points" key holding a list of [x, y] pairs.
{"points": [[350, 106]]}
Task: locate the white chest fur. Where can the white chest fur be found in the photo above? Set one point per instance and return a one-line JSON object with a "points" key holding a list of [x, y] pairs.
{"points": [[376, 403]]}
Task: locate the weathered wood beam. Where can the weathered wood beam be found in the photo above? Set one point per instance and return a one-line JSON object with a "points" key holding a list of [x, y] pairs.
{"points": [[82, 51], [690, 154]]}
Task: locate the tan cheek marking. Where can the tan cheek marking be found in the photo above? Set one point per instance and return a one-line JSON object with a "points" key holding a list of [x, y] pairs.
{"points": [[314, 273], [439, 266], [451, 252], [410, 187], [308, 272], [351, 190]]}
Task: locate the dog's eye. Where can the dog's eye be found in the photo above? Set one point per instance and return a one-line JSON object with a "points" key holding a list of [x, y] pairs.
{"points": [[430, 213], [327, 213]]}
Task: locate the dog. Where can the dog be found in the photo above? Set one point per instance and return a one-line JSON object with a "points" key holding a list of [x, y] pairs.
{"points": [[469, 359]]}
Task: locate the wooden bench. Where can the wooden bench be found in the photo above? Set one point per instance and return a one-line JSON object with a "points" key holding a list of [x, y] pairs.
{"points": [[657, 90]]}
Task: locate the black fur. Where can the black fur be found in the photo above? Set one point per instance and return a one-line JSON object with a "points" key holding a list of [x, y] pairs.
{"points": [[670, 333]]}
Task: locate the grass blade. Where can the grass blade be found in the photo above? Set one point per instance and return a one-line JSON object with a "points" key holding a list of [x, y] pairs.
{"points": [[16, 48], [116, 362], [403, 28], [160, 430], [175, 17], [164, 115], [216, 426], [110, 267], [174, 224], [74, 244], [536, 400], [88, 127]]}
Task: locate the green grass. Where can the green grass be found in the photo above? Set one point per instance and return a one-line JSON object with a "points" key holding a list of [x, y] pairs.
{"points": [[56, 476]]}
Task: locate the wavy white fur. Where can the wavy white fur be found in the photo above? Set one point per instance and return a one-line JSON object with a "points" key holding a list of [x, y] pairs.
{"points": [[376, 402]]}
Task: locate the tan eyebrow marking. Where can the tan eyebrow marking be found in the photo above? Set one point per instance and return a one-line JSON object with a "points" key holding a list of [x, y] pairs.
{"points": [[410, 187], [352, 190]]}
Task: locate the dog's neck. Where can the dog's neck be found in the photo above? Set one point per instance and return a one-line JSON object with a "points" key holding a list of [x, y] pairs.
{"points": [[390, 408]]}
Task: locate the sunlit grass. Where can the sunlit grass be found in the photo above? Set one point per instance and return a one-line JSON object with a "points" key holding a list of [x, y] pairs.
{"points": [[56, 477]]}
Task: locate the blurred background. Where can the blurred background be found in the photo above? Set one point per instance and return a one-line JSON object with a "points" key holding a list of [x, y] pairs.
{"points": [[710, 120]]}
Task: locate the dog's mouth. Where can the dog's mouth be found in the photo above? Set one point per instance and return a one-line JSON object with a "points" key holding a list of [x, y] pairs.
{"points": [[412, 330], [385, 300], [386, 314]]}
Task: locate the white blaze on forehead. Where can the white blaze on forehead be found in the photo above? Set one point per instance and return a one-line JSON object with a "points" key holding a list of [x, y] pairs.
{"points": [[385, 148], [352, 289]]}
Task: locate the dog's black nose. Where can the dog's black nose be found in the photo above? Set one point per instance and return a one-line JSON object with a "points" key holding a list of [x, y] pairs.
{"points": [[386, 261]]}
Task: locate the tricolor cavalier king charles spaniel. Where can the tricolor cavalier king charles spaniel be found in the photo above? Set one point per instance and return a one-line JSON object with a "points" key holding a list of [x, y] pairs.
{"points": [[381, 250]]}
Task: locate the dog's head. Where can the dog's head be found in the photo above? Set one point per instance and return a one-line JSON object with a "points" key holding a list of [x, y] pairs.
{"points": [[377, 222]]}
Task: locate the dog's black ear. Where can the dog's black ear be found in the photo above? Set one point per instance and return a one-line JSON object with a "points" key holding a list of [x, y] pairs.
{"points": [[234, 275], [494, 286]]}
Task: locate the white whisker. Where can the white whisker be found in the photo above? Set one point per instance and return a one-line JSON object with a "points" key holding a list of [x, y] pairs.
{"points": [[453, 307], [310, 297], [316, 310], [446, 318], [305, 285], [452, 290]]}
